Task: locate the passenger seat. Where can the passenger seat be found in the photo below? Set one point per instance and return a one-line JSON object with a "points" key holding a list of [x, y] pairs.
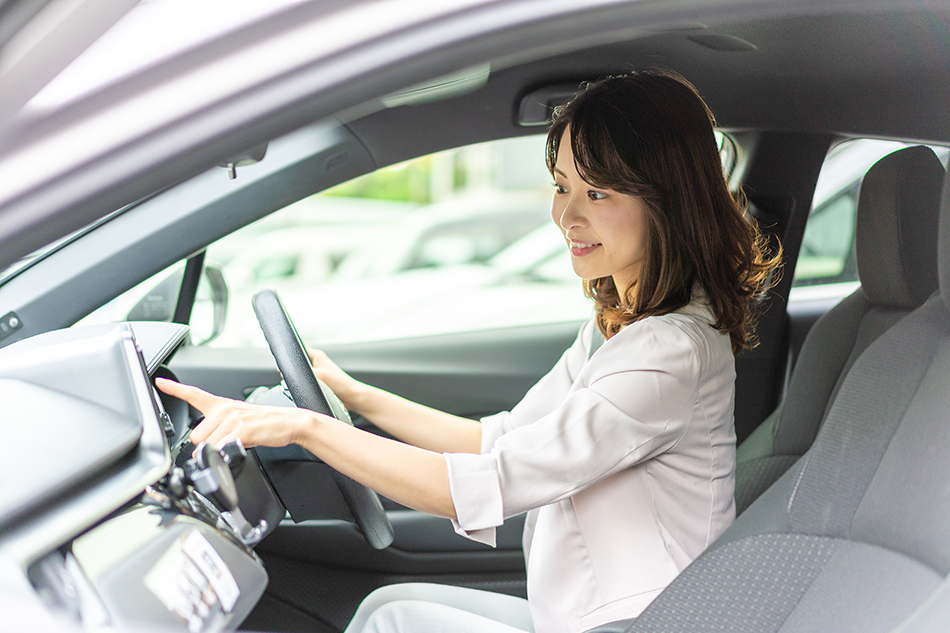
{"points": [[896, 240]]}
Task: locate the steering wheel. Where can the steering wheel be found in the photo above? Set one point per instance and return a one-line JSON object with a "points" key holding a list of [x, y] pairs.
{"points": [[309, 392]]}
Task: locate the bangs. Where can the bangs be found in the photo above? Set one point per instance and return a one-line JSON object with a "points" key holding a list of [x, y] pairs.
{"points": [[603, 159]]}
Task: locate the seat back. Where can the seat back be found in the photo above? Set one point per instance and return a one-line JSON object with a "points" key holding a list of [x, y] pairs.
{"points": [[854, 537], [896, 240]]}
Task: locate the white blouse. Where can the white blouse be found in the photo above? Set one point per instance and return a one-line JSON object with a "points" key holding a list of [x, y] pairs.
{"points": [[626, 461]]}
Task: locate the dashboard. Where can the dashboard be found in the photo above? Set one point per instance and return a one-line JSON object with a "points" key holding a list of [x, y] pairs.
{"points": [[101, 522]]}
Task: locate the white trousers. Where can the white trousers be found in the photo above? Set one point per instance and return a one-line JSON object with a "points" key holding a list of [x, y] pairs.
{"points": [[424, 607]]}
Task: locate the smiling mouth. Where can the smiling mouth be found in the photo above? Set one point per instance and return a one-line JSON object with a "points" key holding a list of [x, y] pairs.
{"points": [[579, 249]]}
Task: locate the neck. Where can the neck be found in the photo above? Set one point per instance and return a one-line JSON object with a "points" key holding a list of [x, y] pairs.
{"points": [[626, 289]]}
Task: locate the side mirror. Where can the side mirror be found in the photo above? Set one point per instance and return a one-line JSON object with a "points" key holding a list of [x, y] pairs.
{"points": [[208, 314], [211, 306]]}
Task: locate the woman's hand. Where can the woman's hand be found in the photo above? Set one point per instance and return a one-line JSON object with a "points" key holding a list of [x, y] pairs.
{"points": [[227, 420], [408, 421], [346, 388], [409, 475]]}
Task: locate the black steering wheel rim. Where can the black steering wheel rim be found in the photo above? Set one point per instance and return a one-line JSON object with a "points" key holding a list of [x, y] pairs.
{"points": [[309, 392]]}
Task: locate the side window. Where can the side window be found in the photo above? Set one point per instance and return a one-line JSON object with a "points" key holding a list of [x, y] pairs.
{"points": [[452, 242], [827, 254], [827, 264]]}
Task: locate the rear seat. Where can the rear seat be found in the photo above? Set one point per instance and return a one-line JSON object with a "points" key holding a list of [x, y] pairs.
{"points": [[897, 262], [853, 538]]}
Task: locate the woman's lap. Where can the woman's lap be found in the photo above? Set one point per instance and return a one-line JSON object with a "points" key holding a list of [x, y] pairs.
{"points": [[420, 607]]}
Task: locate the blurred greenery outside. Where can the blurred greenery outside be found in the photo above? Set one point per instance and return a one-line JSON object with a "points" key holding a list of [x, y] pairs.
{"points": [[421, 181], [407, 182]]}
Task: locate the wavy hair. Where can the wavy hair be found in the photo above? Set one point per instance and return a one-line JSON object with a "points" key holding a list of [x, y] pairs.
{"points": [[649, 134]]}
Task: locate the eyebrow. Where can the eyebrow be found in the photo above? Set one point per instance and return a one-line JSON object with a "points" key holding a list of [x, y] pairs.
{"points": [[558, 171]]}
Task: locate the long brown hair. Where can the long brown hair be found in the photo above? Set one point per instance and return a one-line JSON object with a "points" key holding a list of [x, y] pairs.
{"points": [[649, 134]]}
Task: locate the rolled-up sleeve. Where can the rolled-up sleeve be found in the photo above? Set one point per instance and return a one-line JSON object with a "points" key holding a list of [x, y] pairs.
{"points": [[632, 402], [493, 427], [476, 493]]}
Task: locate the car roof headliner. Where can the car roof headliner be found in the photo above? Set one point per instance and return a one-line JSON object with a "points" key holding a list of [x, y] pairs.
{"points": [[883, 74]]}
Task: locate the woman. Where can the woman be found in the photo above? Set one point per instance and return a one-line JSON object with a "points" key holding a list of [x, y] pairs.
{"points": [[623, 455]]}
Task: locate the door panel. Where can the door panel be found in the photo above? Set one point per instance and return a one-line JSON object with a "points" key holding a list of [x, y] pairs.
{"points": [[424, 545], [470, 374]]}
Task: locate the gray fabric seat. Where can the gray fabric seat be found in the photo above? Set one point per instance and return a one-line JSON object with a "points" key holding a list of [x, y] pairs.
{"points": [[855, 537], [896, 239]]}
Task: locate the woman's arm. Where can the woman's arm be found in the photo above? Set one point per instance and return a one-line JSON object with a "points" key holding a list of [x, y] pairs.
{"points": [[412, 476], [411, 422]]}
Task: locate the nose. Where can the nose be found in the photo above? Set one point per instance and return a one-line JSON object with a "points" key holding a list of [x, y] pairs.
{"points": [[567, 213]]}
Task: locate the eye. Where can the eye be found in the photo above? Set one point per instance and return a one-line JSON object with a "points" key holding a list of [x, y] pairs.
{"points": [[559, 188], [596, 195]]}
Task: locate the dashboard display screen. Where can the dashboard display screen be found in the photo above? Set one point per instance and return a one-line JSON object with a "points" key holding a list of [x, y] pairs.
{"points": [[75, 402]]}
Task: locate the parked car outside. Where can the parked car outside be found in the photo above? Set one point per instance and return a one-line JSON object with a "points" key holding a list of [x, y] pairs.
{"points": [[436, 253]]}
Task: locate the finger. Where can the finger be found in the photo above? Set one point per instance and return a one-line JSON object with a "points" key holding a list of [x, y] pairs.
{"points": [[222, 435], [201, 432], [227, 438], [214, 444], [198, 398]]}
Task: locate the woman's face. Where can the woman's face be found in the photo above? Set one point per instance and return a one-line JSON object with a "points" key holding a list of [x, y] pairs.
{"points": [[606, 231]]}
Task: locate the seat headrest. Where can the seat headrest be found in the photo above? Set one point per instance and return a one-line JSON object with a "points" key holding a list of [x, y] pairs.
{"points": [[897, 225]]}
